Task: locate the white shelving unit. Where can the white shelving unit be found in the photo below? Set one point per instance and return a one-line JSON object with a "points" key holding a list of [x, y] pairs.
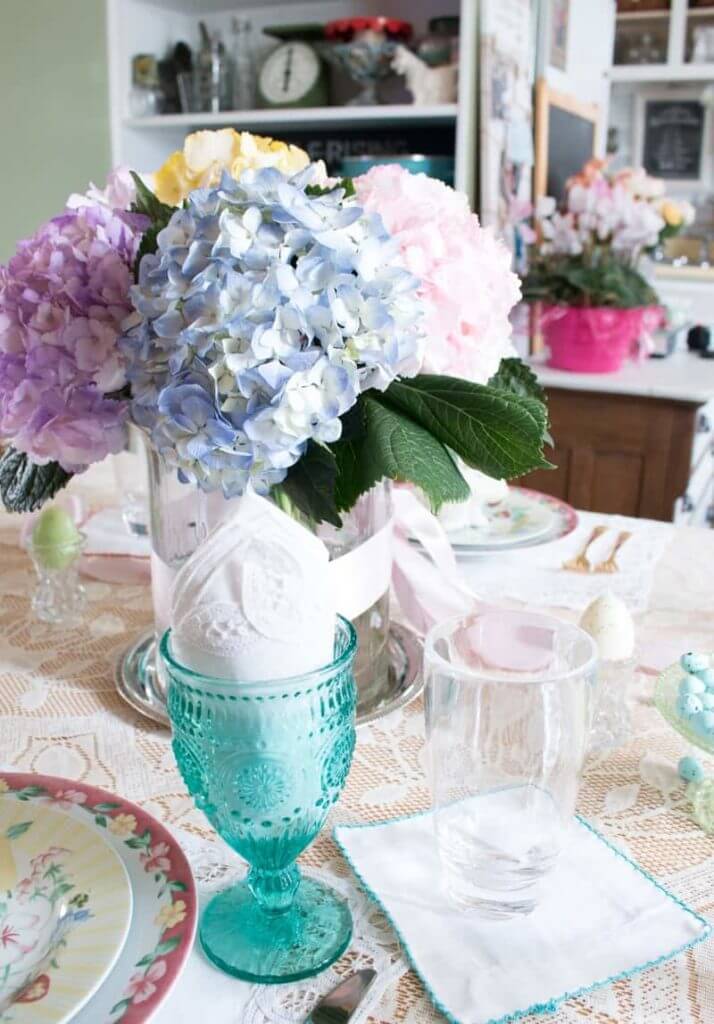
{"points": [[153, 26], [676, 22], [279, 117]]}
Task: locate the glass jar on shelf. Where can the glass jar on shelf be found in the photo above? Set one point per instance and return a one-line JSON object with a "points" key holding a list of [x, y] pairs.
{"points": [[244, 66]]}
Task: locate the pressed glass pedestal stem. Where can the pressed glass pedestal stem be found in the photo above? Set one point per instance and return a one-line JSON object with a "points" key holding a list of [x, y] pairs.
{"points": [[265, 762]]}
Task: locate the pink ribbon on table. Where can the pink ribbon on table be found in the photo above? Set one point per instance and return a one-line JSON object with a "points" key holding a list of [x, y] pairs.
{"points": [[426, 581]]}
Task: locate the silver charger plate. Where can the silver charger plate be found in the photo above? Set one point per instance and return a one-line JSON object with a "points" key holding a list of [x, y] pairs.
{"points": [[136, 678]]}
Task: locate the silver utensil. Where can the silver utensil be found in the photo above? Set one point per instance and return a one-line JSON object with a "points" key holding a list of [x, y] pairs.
{"points": [[338, 1005]]}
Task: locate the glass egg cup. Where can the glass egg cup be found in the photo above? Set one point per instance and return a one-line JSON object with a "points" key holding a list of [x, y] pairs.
{"points": [[59, 598], [265, 762]]}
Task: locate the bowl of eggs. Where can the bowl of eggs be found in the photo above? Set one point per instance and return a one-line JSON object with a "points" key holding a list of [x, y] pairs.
{"points": [[684, 696]]}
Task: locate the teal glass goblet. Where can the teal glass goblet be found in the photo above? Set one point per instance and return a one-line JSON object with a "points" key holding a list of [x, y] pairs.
{"points": [[265, 762]]}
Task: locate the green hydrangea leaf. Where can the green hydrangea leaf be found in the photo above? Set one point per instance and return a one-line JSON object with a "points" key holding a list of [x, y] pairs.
{"points": [[149, 204], [159, 213], [25, 487], [396, 448], [310, 485], [493, 430], [516, 377]]}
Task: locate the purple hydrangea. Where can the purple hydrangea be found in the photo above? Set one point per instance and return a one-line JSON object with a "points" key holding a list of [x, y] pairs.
{"points": [[63, 297]]}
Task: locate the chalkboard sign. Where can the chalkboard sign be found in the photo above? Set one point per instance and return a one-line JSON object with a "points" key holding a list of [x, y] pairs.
{"points": [[566, 135], [673, 139], [571, 143]]}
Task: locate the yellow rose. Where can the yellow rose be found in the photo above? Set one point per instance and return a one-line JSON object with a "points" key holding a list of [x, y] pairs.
{"points": [[171, 915], [207, 154], [671, 213], [123, 825]]}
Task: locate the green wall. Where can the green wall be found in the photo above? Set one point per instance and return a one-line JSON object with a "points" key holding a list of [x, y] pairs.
{"points": [[54, 122]]}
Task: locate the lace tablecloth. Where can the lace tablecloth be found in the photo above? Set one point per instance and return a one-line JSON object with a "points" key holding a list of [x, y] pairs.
{"points": [[60, 715]]}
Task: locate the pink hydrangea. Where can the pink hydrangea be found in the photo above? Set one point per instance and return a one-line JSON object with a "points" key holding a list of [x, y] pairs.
{"points": [[63, 297], [467, 286]]}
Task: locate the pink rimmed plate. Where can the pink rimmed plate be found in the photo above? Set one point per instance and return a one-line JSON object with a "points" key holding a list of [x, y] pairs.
{"points": [[524, 519], [164, 897]]}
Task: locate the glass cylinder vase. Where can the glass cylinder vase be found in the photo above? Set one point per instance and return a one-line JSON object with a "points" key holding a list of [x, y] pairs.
{"points": [[182, 516]]}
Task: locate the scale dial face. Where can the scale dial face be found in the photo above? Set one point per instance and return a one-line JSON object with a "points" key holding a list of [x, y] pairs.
{"points": [[289, 74]]}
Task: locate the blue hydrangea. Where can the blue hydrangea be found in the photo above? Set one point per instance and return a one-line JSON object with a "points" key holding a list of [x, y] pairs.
{"points": [[263, 314]]}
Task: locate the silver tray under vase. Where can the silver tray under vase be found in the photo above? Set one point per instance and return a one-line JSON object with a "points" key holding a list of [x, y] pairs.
{"points": [[138, 683]]}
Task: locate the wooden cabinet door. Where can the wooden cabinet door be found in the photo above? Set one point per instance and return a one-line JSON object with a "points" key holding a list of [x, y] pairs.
{"points": [[618, 453]]}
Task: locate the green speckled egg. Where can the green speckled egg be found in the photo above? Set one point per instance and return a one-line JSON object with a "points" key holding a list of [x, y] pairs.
{"points": [[55, 538]]}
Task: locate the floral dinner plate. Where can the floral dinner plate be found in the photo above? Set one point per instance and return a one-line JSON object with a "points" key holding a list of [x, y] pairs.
{"points": [[163, 923], [65, 909], [519, 517], [525, 518]]}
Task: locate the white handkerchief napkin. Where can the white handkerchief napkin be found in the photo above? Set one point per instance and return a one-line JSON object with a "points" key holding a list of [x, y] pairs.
{"points": [[601, 918], [255, 601]]}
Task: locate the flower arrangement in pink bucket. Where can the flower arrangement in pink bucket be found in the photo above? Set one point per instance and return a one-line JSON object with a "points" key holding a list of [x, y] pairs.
{"points": [[596, 308]]}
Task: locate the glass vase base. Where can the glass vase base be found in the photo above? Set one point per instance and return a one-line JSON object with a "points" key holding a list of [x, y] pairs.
{"points": [[244, 940]]}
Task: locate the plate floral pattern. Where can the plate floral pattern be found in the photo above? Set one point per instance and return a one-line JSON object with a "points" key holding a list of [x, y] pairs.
{"points": [[527, 518], [165, 903], [65, 911]]}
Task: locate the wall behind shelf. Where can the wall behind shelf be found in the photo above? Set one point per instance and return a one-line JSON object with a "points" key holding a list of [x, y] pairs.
{"points": [[53, 117]]}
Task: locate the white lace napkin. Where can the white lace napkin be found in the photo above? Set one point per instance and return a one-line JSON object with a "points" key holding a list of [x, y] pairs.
{"points": [[600, 919], [535, 575], [255, 601]]}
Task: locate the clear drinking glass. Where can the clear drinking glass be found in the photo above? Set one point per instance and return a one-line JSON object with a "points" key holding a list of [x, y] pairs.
{"points": [[508, 707], [265, 762]]}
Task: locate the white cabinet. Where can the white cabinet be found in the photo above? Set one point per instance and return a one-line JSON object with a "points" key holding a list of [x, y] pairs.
{"points": [[659, 45], [153, 26]]}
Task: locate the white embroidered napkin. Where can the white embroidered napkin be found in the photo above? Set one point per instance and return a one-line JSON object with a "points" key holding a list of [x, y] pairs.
{"points": [[600, 919], [255, 601]]}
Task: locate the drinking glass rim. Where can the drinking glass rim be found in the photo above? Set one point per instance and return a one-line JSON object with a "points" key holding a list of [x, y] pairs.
{"points": [[465, 672], [305, 678]]}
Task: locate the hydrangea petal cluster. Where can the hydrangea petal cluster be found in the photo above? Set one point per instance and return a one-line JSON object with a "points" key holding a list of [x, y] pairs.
{"points": [[467, 287], [262, 316], [63, 298]]}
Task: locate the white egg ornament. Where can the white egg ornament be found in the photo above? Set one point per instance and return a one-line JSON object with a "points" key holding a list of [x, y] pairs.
{"points": [[610, 624]]}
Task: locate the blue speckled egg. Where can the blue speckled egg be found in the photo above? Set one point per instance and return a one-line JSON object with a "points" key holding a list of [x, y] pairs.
{"points": [[707, 700], [707, 677], [689, 705], [704, 723], [691, 684], [690, 770], [694, 662]]}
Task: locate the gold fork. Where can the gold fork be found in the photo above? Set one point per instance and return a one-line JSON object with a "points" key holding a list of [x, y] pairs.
{"points": [[580, 562], [610, 563]]}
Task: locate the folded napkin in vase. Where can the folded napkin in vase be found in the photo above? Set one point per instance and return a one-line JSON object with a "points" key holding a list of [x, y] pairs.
{"points": [[600, 919], [255, 601], [535, 574]]}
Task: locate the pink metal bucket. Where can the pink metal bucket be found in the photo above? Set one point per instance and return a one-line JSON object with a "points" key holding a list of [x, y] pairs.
{"points": [[594, 339]]}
